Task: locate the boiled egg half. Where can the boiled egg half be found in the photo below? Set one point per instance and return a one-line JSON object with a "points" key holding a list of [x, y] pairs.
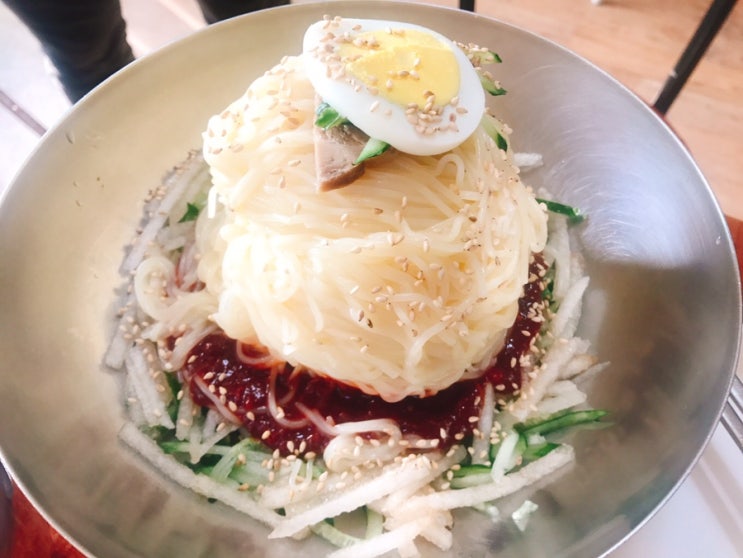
{"points": [[400, 83]]}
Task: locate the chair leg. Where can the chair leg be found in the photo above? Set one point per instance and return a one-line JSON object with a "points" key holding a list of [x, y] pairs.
{"points": [[703, 36]]}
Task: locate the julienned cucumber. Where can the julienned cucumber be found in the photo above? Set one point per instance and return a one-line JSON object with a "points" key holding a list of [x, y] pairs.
{"points": [[489, 85], [572, 213], [559, 421], [373, 148], [491, 129]]}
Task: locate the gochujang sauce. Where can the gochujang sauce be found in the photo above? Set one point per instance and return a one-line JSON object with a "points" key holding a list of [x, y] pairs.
{"points": [[448, 416]]}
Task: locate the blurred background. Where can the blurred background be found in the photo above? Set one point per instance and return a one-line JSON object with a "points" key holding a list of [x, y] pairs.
{"points": [[636, 41]]}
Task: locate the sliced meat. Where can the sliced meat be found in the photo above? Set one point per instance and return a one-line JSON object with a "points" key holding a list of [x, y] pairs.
{"points": [[336, 149]]}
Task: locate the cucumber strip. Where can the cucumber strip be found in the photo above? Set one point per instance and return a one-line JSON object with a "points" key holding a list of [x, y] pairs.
{"points": [[175, 387], [374, 523], [490, 128], [519, 447], [508, 454], [467, 470], [334, 536], [225, 465], [487, 57], [194, 208], [192, 212], [327, 117], [479, 56], [501, 142], [373, 148], [572, 213], [475, 479], [470, 475], [177, 446], [560, 421], [251, 473], [250, 451], [532, 453], [490, 86]]}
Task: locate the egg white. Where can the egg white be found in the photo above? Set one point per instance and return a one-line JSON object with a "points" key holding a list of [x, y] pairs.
{"points": [[384, 120]]}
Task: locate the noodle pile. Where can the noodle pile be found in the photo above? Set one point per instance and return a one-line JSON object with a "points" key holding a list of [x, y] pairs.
{"points": [[401, 284]]}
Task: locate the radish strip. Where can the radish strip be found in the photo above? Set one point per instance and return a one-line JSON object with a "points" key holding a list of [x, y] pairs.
{"points": [[200, 484], [465, 497], [383, 543], [395, 477]]}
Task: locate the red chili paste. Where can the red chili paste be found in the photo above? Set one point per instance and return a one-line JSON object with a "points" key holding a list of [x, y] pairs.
{"points": [[444, 416]]}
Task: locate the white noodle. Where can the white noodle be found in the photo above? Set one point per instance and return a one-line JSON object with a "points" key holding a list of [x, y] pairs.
{"points": [[287, 257]]}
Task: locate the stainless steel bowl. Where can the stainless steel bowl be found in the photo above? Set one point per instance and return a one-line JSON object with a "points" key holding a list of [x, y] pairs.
{"points": [[6, 512], [663, 306]]}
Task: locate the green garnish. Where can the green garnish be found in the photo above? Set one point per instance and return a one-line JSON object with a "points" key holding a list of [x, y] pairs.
{"points": [[373, 148], [327, 117], [193, 208], [489, 84], [572, 213], [466, 470], [479, 56], [191, 214], [532, 453], [501, 142], [175, 387], [559, 421], [488, 123]]}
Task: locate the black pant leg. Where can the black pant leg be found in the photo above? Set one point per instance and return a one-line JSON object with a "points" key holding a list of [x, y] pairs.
{"points": [[217, 10], [84, 39]]}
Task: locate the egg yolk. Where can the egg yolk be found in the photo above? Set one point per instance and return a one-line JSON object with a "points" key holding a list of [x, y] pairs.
{"points": [[404, 66]]}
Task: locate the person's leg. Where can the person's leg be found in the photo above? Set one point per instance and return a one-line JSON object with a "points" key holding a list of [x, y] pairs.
{"points": [[217, 10], [84, 39]]}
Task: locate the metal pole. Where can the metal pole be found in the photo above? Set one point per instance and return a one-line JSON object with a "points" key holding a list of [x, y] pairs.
{"points": [[705, 33]]}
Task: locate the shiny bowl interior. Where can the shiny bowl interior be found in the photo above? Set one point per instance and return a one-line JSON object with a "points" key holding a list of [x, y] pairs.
{"points": [[663, 306]]}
